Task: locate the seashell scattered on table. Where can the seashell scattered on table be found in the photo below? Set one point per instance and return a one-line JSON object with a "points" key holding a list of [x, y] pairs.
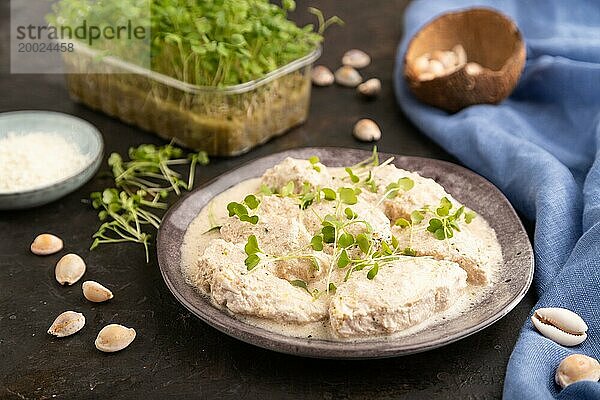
{"points": [[367, 130], [322, 76], [575, 368], [69, 269], [560, 325], [67, 323], [356, 58], [370, 88], [95, 292], [46, 244], [114, 337], [348, 76]]}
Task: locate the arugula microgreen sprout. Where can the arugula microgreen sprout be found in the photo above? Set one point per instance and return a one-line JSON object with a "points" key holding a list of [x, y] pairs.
{"points": [[141, 185], [241, 210], [314, 160]]}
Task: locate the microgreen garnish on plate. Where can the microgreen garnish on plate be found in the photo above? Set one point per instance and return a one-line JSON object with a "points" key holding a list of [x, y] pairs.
{"points": [[314, 160], [142, 184], [443, 225], [241, 210]]}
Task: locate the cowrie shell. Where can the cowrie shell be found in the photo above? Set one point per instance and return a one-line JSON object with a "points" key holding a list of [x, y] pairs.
{"points": [[322, 76], [348, 76], [575, 368], [93, 291], [560, 325], [356, 58], [46, 244], [66, 324], [69, 269], [114, 337]]}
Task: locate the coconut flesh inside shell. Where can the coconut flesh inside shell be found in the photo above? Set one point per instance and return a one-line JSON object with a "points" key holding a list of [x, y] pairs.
{"points": [[489, 38]]}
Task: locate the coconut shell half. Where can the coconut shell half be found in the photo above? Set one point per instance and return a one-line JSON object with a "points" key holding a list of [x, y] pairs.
{"points": [[489, 38]]}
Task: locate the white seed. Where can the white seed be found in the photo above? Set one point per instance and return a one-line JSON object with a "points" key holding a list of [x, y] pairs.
{"points": [[421, 64], [472, 68], [370, 88], [561, 325], [461, 54], [322, 76], [66, 324], [436, 68], [367, 130], [577, 367], [348, 76], [114, 337], [93, 291], [46, 244], [356, 58], [69, 269]]}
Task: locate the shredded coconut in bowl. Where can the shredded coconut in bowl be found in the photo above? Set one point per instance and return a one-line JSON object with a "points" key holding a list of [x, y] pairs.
{"points": [[37, 159]]}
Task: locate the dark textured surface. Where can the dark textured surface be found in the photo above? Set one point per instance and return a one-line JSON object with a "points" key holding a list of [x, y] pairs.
{"points": [[469, 188], [176, 354]]}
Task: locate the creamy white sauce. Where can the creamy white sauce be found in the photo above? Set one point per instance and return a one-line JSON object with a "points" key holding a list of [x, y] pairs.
{"points": [[199, 235]]}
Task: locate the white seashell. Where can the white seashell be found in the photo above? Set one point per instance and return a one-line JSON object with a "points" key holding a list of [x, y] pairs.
{"points": [[436, 68], [67, 323], [367, 130], [46, 244], [577, 367], [322, 76], [426, 76], [114, 337], [421, 64], [447, 58], [356, 58], [348, 76], [69, 269], [561, 325], [461, 54], [370, 88], [473, 68], [93, 291]]}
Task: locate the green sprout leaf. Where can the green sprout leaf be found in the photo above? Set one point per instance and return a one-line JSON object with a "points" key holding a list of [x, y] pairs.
{"points": [[343, 260], [251, 201], [317, 243], [350, 214], [353, 177], [287, 190], [301, 284], [332, 287], [251, 246], [328, 234], [346, 240], [416, 217], [373, 272], [251, 261], [402, 223], [364, 243], [409, 252], [348, 195], [264, 189], [329, 194], [469, 216]]}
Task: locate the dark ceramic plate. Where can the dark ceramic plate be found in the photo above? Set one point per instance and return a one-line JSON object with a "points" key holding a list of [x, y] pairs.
{"points": [[466, 186]]}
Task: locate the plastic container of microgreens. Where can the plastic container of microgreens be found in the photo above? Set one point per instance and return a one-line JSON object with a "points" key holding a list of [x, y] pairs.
{"points": [[223, 121]]}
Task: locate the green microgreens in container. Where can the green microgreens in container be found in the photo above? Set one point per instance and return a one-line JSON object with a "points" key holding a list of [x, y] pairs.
{"points": [[206, 43], [142, 187]]}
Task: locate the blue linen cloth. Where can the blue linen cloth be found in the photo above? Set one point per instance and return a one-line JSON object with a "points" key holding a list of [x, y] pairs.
{"points": [[541, 148]]}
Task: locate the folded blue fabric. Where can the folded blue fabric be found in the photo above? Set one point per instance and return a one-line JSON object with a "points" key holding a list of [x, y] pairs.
{"points": [[540, 147]]}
